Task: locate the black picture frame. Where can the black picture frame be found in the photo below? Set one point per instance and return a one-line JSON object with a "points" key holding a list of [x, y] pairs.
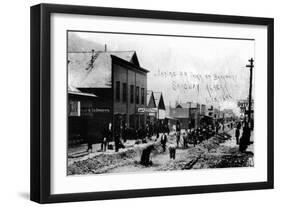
{"points": [[40, 102]]}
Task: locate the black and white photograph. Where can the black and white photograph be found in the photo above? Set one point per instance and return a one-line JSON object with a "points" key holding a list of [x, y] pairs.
{"points": [[134, 103], [150, 103]]}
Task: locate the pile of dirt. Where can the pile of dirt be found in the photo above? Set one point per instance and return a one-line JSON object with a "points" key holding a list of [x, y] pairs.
{"points": [[104, 162], [101, 163]]}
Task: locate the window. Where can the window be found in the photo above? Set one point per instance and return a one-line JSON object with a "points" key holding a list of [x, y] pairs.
{"points": [[132, 93], [142, 95], [117, 95], [124, 92], [137, 95], [74, 108]]}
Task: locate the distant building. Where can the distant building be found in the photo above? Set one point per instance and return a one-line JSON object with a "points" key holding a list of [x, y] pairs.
{"points": [[228, 115], [188, 114], [203, 110], [216, 113], [213, 112], [151, 107], [181, 112], [194, 115], [244, 109], [161, 109]]}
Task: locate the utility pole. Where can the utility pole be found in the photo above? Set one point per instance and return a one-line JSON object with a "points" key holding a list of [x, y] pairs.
{"points": [[251, 66]]}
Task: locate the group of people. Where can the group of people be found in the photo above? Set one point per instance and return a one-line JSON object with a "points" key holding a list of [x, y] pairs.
{"points": [[159, 129], [123, 133], [195, 136], [105, 138], [185, 136]]}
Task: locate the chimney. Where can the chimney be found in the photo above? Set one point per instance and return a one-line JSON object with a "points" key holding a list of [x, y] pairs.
{"points": [[105, 48]]}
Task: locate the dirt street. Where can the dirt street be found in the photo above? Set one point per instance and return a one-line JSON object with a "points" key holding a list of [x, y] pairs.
{"points": [[215, 152]]}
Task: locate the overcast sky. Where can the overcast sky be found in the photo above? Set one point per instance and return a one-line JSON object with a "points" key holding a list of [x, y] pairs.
{"points": [[204, 70]]}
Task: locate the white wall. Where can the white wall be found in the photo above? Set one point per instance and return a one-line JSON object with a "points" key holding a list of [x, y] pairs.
{"points": [[14, 104]]}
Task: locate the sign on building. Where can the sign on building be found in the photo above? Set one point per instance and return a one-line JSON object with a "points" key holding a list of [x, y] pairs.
{"points": [[147, 110], [244, 105]]}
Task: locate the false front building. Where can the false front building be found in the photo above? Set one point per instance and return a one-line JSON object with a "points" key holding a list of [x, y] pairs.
{"points": [[130, 91]]}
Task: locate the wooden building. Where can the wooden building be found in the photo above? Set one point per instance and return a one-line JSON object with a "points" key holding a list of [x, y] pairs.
{"points": [[130, 89], [119, 85], [87, 116], [151, 107], [160, 104]]}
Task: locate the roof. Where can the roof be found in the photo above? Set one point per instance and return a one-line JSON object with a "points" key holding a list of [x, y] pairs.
{"points": [[74, 91], [183, 105], [159, 100], [157, 96], [132, 66], [93, 70], [82, 94], [186, 105], [150, 99]]}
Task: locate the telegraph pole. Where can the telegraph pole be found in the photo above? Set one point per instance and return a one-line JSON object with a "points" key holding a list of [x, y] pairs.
{"points": [[251, 66]]}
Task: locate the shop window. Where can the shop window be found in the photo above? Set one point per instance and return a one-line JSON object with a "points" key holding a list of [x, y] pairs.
{"points": [[132, 93], [142, 95], [137, 95]]}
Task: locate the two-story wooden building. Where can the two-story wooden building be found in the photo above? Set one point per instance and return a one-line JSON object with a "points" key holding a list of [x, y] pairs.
{"points": [[130, 89], [104, 87]]}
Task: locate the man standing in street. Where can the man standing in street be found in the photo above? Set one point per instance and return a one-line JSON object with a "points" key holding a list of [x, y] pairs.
{"points": [[245, 139], [106, 135], [164, 141], [237, 132]]}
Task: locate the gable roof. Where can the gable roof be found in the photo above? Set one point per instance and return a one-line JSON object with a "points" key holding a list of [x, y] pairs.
{"points": [[183, 105], [150, 99], [88, 70], [159, 100]]}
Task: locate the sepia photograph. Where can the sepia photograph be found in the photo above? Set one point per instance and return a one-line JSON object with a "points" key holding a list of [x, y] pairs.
{"points": [[153, 103]]}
